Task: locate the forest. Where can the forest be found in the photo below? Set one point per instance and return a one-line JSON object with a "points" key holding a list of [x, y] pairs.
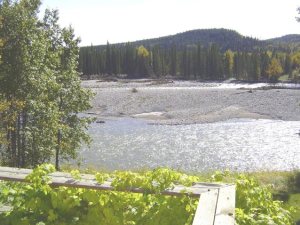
{"points": [[206, 55]]}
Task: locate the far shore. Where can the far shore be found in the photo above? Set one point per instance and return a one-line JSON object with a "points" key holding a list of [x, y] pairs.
{"points": [[175, 102]]}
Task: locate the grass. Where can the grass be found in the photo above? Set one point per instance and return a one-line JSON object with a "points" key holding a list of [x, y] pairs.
{"points": [[284, 78], [279, 180], [285, 187], [294, 200]]}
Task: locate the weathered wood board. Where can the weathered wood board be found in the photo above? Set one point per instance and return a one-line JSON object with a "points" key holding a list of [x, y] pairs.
{"points": [[216, 201]]}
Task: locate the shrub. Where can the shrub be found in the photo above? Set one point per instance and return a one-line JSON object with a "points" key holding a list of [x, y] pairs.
{"points": [[37, 203], [254, 203], [134, 90]]}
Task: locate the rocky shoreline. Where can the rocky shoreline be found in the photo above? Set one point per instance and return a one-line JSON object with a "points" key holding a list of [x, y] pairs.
{"points": [[186, 102]]}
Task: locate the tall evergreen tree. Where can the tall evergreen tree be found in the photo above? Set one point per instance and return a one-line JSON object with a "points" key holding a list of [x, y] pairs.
{"points": [[108, 59], [288, 66], [215, 67], [157, 62], [173, 66], [265, 61], [255, 67]]}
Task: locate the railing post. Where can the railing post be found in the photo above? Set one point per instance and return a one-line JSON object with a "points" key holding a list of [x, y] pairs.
{"points": [[205, 213], [226, 206]]}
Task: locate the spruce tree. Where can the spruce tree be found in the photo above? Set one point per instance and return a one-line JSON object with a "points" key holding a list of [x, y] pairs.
{"points": [[108, 65], [173, 66]]}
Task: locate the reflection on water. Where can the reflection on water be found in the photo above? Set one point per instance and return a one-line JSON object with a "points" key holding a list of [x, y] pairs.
{"points": [[243, 145], [259, 85]]}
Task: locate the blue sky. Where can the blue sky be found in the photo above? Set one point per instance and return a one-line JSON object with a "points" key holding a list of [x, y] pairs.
{"points": [[98, 21]]}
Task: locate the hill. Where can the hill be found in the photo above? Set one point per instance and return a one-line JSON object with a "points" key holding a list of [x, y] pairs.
{"points": [[286, 39], [224, 38], [196, 54]]}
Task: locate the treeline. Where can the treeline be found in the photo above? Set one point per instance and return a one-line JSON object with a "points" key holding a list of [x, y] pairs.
{"points": [[191, 62]]}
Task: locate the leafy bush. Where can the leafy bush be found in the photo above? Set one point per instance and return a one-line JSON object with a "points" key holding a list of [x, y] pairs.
{"points": [[38, 203], [254, 203]]}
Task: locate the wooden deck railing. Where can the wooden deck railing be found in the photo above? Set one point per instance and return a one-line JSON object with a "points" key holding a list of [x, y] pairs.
{"points": [[216, 204]]}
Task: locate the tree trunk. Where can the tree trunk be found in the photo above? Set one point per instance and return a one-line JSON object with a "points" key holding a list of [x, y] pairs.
{"points": [[23, 140], [18, 136], [58, 150]]}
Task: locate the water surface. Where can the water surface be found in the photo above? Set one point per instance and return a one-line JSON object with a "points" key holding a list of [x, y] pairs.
{"points": [[241, 145]]}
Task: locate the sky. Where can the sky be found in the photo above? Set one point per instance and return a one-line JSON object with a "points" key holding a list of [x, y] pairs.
{"points": [[99, 21]]}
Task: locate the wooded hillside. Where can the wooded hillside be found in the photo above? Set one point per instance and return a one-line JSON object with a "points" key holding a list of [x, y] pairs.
{"points": [[210, 54]]}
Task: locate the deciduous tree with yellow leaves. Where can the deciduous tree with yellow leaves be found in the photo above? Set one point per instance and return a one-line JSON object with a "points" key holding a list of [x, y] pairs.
{"points": [[274, 70]]}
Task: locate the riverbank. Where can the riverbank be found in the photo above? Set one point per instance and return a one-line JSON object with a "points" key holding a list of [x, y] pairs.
{"points": [[187, 102]]}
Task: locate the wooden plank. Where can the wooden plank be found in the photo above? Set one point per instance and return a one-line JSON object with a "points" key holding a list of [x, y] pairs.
{"points": [[210, 185], [4, 208], [89, 182], [226, 206], [205, 213], [216, 204]]}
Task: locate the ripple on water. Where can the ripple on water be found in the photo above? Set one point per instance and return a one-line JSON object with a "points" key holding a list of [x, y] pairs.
{"points": [[242, 145]]}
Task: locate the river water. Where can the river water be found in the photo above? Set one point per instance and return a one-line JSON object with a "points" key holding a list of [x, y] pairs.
{"points": [[238, 145]]}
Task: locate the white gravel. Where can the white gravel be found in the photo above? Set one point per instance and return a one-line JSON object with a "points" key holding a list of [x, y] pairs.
{"points": [[185, 102]]}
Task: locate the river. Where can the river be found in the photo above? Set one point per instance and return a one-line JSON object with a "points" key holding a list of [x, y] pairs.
{"points": [[238, 145]]}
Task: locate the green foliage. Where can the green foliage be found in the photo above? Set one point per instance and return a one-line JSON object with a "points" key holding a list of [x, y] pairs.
{"points": [[212, 54], [37, 203], [294, 201], [39, 70], [295, 58], [254, 203], [187, 62]]}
